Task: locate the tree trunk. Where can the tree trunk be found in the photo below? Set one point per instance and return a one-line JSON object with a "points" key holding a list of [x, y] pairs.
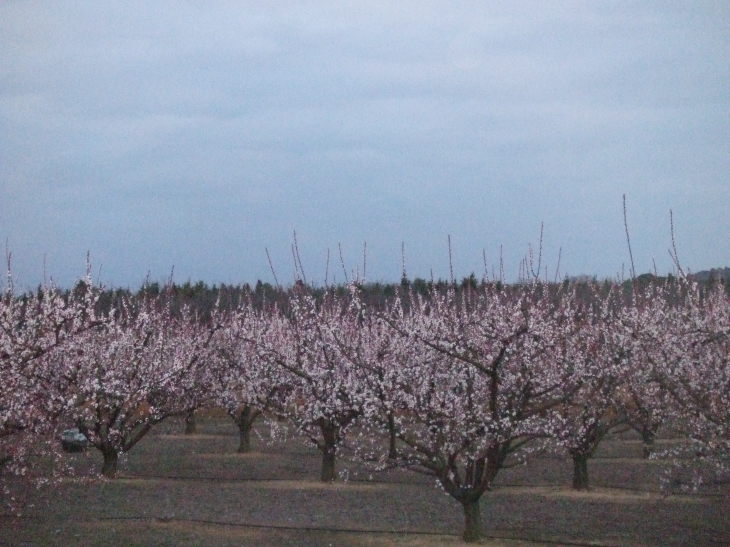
{"points": [[244, 435], [580, 472], [392, 452], [244, 417], [190, 428], [3, 461], [109, 467], [647, 439], [328, 465], [472, 521], [329, 450]]}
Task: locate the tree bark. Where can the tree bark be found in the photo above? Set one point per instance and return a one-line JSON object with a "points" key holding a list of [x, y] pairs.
{"points": [[647, 440], [328, 465], [109, 467], [190, 427], [472, 521], [244, 436], [329, 451], [392, 452], [244, 417], [3, 461], [580, 471]]}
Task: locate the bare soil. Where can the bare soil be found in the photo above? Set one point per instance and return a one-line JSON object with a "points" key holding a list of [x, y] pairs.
{"points": [[195, 490]]}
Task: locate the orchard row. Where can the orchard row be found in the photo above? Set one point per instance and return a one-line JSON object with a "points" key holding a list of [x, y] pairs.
{"points": [[455, 381]]}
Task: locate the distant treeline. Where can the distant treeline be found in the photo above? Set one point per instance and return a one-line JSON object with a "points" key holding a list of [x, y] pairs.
{"points": [[203, 298]]}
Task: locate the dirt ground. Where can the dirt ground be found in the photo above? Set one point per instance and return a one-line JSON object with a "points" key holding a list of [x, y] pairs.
{"points": [[177, 490]]}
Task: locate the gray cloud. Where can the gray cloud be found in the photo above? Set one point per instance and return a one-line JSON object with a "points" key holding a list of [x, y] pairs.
{"points": [[196, 135]]}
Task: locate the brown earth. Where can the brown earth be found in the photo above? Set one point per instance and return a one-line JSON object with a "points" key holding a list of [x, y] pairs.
{"points": [[195, 490]]}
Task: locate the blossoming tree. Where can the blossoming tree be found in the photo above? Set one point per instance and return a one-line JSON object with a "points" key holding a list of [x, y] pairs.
{"points": [[34, 328], [481, 375], [325, 391], [134, 370]]}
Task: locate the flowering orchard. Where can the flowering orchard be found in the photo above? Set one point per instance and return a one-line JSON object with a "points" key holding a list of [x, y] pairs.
{"points": [[34, 329], [457, 382]]}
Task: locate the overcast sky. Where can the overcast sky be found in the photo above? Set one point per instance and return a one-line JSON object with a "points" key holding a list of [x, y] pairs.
{"points": [[197, 134]]}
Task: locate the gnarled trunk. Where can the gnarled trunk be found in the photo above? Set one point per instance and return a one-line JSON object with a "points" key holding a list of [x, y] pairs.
{"points": [[392, 452], [244, 417], [3, 460], [190, 426], [329, 451], [472, 520], [111, 457], [328, 465], [647, 443], [244, 436], [580, 471]]}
